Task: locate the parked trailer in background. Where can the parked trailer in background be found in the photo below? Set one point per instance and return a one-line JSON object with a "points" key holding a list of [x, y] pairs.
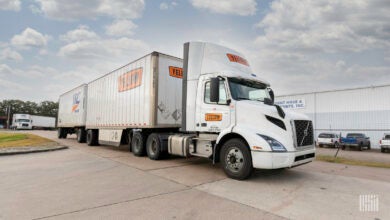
{"points": [[72, 113], [43, 122], [210, 104]]}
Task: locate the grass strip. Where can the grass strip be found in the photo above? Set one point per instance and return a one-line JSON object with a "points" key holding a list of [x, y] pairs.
{"points": [[344, 160], [8, 140]]}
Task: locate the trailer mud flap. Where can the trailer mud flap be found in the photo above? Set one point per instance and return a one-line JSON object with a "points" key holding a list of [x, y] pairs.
{"points": [[110, 137]]}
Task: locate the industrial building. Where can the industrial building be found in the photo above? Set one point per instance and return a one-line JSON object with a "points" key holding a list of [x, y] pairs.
{"points": [[360, 110]]}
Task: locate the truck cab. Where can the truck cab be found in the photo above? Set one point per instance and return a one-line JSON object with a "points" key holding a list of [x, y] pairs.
{"points": [[21, 121], [232, 112]]}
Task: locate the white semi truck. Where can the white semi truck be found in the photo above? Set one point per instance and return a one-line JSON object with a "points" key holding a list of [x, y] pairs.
{"points": [[210, 104], [29, 122]]}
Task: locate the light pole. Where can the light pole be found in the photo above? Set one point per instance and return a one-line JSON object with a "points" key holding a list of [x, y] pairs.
{"points": [[9, 115]]}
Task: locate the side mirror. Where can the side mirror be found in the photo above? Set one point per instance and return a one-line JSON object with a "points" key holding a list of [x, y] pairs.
{"points": [[268, 101], [271, 93], [214, 90]]}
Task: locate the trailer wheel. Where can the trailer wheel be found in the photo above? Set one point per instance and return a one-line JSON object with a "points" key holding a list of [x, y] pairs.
{"points": [[92, 137], [60, 133], [236, 159], [129, 138], [138, 144], [81, 135], [153, 147]]}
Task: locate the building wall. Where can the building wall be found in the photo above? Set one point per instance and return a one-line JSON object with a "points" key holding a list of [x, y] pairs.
{"points": [[365, 110]]}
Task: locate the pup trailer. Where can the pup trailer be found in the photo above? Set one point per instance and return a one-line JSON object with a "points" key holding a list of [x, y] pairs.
{"points": [[208, 104]]}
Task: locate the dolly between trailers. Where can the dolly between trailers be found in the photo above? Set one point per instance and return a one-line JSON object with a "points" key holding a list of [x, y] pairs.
{"points": [[210, 104]]}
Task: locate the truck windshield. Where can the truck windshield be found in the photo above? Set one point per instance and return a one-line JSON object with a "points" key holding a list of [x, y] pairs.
{"points": [[22, 120], [242, 89], [323, 135]]}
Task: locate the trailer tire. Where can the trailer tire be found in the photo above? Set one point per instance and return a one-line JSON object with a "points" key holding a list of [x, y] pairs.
{"points": [[81, 135], [138, 144], [153, 147], [236, 159], [129, 138], [60, 133], [92, 137]]}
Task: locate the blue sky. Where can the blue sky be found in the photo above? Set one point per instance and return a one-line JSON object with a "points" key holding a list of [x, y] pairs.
{"points": [[50, 46]]}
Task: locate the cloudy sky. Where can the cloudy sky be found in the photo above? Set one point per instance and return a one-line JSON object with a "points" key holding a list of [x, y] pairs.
{"points": [[50, 46]]}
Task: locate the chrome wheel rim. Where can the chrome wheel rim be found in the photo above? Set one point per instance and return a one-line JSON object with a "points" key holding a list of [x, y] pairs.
{"points": [[234, 160]]}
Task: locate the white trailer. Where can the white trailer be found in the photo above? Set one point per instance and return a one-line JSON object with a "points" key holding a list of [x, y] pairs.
{"points": [[42, 122], [72, 112], [210, 104]]}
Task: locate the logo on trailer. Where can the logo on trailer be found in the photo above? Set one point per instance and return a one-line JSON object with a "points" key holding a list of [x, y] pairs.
{"points": [[76, 102], [176, 72], [237, 59], [130, 80]]}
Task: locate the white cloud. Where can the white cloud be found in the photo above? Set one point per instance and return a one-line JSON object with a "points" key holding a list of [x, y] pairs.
{"points": [[11, 5], [234, 7], [121, 28], [313, 45], [86, 44], [326, 26], [167, 6], [29, 38], [81, 33], [75, 9], [9, 54]]}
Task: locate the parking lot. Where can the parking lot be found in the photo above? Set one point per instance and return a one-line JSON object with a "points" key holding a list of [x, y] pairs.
{"points": [[106, 182]]}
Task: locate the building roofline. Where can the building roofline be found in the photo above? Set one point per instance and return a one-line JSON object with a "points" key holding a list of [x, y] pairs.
{"points": [[335, 90]]}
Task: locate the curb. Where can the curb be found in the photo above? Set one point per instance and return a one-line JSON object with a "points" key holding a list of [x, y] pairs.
{"points": [[28, 151]]}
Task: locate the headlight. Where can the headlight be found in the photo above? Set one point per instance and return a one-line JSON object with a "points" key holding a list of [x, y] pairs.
{"points": [[274, 144]]}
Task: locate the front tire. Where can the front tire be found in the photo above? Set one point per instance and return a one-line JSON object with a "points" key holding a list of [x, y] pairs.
{"points": [[336, 145], [138, 144], [360, 148], [236, 159], [369, 146]]}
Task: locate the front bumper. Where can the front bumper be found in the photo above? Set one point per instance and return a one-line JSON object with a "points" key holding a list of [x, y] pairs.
{"points": [[385, 146], [276, 160], [349, 145]]}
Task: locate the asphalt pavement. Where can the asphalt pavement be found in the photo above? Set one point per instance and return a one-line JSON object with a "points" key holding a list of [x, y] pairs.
{"points": [[110, 183]]}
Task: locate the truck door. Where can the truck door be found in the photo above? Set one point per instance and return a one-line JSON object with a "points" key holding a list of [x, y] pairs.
{"points": [[214, 117]]}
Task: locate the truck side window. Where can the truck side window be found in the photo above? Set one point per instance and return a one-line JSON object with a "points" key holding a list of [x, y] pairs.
{"points": [[222, 93]]}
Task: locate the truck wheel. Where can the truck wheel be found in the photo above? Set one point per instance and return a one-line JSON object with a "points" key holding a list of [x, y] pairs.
{"points": [[360, 147], [236, 159], [153, 147], [336, 145], [138, 144], [342, 147], [81, 135], [320, 145], [92, 137], [369, 146], [382, 150], [60, 133], [129, 137]]}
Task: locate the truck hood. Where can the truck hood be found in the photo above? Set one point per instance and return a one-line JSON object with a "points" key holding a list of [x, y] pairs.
{"points": [[252, 115]]}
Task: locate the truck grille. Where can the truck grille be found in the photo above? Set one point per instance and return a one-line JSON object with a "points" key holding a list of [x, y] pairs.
{"points": [[303, 133]]}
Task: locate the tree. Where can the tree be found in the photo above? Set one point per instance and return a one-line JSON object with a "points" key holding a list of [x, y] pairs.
{"points": [[45, 108]]}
